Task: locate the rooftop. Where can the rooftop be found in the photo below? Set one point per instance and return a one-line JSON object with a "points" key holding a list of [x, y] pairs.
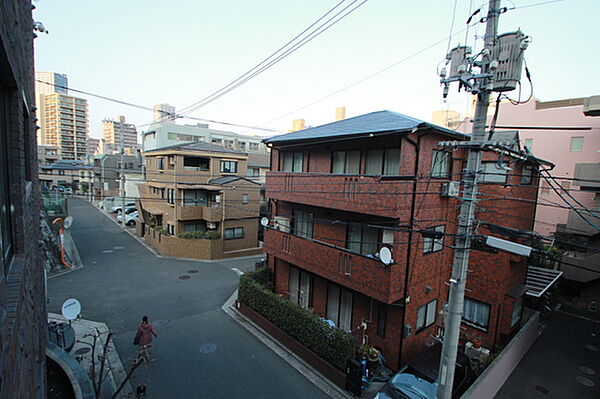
{"points": [[196, 146]]}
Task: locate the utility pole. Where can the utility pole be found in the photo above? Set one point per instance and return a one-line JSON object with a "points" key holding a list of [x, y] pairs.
{"points": [[467, 214], [122, 182]]}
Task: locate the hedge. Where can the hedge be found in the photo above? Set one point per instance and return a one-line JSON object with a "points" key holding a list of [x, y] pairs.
{"points": [[206, 235], [332, 344]]}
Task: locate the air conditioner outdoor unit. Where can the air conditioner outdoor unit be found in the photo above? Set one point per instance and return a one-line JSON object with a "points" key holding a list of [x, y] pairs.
{"points": [[282, 224], [451, 189], [211, 225]]}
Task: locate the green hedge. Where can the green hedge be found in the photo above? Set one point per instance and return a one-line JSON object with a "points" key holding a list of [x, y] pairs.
{"points": [[332, 344], [206, 235]]}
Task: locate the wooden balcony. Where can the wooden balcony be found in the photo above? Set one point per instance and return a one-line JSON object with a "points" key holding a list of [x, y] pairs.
{"points": [[211, 213], [360, 273], [353, 193]]}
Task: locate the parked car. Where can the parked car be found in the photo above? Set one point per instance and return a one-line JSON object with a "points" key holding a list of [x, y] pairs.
{"points": [[117, 208], [130, 218], [418, 378]]}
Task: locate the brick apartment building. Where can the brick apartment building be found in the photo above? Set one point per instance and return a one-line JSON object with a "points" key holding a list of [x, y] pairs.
{"points": [[22, 300], [341, 191], [199, 187]]}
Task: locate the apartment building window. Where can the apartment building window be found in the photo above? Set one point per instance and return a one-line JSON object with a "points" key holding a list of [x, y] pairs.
{"points": [[234, 233], [440, 164], [476, 313], [292, 161], [299, 287], [576, 144], [228, 167], [244, 198], [302, 224], [494, 173], [160, 163], [242, 145], [516, 312], [197, 226], [362, 239], [347, 162], [196, 163], [170, 195], [217, 141], [434, 241], [253, 146], [171, 229], [526, 174], [382, 162], [6, 219], [253, 172], [426, 315], [381, 319], [339, 307]]}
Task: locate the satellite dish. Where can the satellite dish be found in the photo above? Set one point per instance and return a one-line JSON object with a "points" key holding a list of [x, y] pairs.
{"points": [[264, 221], [68, 222], [71, 309], [385, 255]]}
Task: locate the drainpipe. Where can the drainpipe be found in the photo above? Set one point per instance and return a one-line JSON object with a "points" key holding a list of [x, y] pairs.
{"points": [[417, 146]]}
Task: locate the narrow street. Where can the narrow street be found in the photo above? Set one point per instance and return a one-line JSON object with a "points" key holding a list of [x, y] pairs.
{"points": [[200, 351]]}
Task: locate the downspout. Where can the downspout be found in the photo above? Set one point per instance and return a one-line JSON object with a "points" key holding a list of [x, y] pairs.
{"points": [[417, 146]]}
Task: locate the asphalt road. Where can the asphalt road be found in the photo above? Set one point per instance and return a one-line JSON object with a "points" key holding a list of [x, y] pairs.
{"points": [[201, 352], [564, 362]]}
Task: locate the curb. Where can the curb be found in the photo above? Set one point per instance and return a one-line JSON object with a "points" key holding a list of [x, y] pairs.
{"points": [[316, 378]]}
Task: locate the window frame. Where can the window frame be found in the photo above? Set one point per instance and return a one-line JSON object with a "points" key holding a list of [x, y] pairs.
{"points": [[527, 177], [428, 315], [473, 323], [7, 231], [362, 243], [384, 161], [238, 233], [230, 169], [303, 224], [295, 156], [346, 165], [329, 307], [436, 244], [296, 294], [244, 198], [492, 177], [517, 306], [446, 161], [572, 141]]}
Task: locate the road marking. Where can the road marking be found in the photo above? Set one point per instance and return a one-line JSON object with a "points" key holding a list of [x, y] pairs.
{"points": [[237, 271], [119, 247], [108, 251]]}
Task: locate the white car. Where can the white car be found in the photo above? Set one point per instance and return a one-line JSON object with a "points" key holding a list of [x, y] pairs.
{"points": [[130, 218], [117, 208]]}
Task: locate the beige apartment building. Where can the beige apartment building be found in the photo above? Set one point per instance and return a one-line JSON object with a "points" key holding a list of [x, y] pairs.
{"points": [[119, 134], [196, 202]]}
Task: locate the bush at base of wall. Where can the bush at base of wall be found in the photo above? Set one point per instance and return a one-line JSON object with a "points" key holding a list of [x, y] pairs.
{"points": [[332, 344], [206, 235]]}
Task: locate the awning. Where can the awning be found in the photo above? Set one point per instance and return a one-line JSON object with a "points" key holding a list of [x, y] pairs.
{"points": [[153, 210], [540, 279], [197, 187]]}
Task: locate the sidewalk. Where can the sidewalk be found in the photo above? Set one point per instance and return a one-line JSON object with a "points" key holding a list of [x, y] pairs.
{"points": [[82, 353]]}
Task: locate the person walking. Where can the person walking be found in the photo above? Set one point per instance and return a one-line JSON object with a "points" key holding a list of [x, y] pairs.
{"points": [[145, 333]]}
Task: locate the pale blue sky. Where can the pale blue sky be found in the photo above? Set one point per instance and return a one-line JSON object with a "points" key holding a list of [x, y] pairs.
{"points": [[151, 51]]}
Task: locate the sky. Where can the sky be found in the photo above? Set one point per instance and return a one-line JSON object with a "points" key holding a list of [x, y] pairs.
{"points": [[177, 52]]}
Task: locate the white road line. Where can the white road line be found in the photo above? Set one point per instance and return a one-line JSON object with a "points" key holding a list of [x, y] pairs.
{"points": [[237, 271]]}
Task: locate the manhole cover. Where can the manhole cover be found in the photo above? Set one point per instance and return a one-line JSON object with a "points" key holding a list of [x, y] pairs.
{"points": [[541, 389], [585, 381], [159, 322], [587, 370], [82, 351], [184, 277], [193, 271], [107, 251], [208, 348], [591, 347]]}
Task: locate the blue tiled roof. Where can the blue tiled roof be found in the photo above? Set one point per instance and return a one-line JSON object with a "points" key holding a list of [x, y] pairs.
{"points": [[374, 122]]}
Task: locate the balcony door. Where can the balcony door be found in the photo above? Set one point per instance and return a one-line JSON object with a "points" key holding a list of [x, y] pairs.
{"points": [[339, 307], [299, 287]]}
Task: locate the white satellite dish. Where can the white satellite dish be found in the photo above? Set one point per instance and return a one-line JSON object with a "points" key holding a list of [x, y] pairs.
{"points": [[68, 222], [264, 221], [385, 255], [71, 309]]}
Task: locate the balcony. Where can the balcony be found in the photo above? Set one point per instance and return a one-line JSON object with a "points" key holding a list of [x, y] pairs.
{"points": [[360, 273], [210, 213], [353, 193]]}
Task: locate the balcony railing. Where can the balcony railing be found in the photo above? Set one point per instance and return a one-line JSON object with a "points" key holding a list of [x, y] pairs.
{"points": [[208, 211], [360, 273]]}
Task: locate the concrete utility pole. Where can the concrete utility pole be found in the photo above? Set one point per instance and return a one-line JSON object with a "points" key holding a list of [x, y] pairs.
{"points": [[122, 182], [467, 214]]}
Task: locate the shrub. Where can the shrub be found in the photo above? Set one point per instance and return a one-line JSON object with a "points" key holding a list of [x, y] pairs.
{"points": [[161, 230], [212, 235], [191, 234], [332, 344], [263, 276]]}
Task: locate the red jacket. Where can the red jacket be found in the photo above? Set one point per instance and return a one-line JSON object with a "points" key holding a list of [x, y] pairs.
{"points": [[146, 331]]}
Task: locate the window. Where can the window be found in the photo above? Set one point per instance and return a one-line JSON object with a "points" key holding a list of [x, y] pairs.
{"points": [[197, 226], [516, 312], [170, 195], [292, 161], [576, 144], [382, 162], [299, 287], [6, 219], [545, 189], [339, 307], [491, 173], [234, 232], [430, 242], [381, 319], [228, 166], [529, 144], [217, 141], [526, 174], [196, 163], [253, 146], [253, 172], [440, 164], [160, 163], [302, 224], [476, 313], [171, 229], [345, 162], [426, 315], [172, 136], [244, 198], [362, 239]]}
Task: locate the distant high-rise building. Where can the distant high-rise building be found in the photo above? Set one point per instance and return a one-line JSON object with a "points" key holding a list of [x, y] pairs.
{"points": [[64, 123], [162, 112], [119, 134], [47, 83], [93, 147], [340, 113]]}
